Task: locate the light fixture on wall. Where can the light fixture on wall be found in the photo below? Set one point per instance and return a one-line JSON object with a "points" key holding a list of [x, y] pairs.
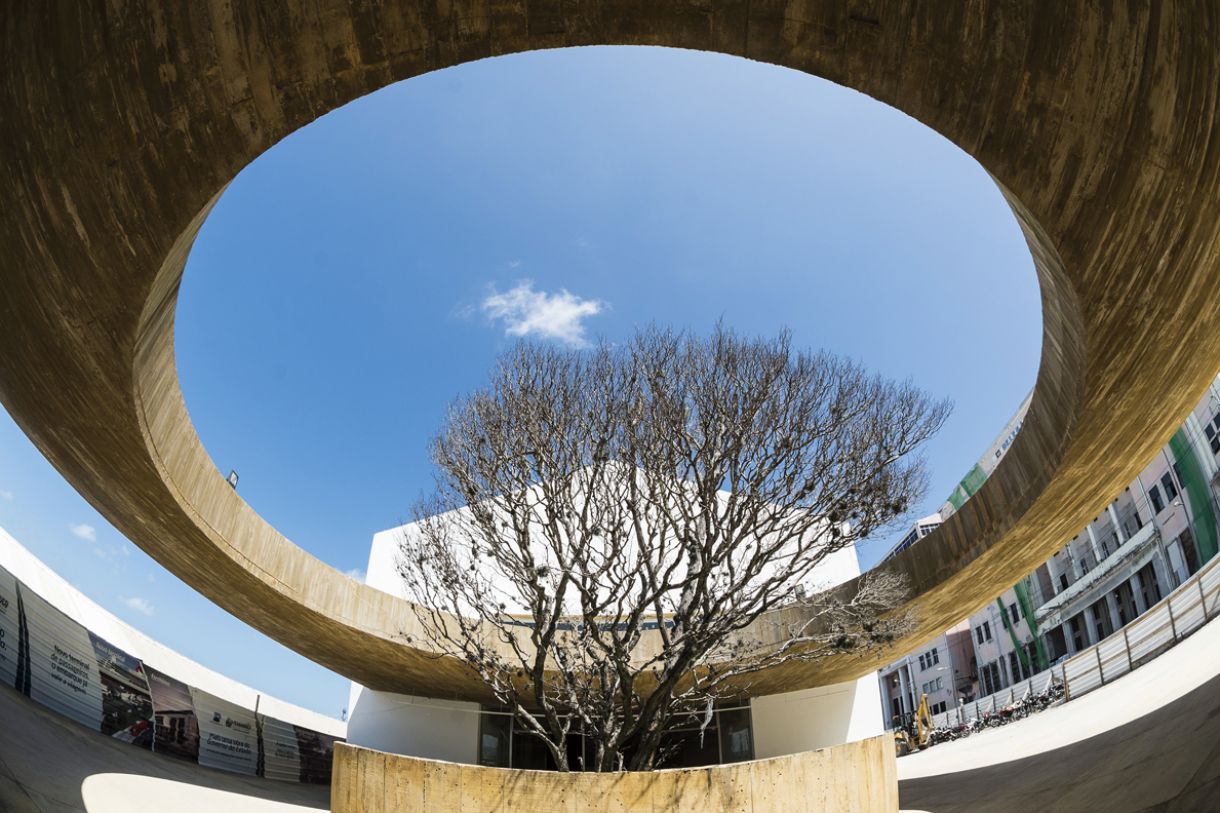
{"points": [[232, 479]]}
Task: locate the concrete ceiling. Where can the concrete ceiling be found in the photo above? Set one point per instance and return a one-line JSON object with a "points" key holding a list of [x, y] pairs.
{"points": [[119, 128]]}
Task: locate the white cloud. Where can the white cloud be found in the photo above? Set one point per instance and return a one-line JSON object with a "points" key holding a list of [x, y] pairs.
{"points": [[138, 604], [526, 312], [87, 532], [356, 573], [7, 496]]}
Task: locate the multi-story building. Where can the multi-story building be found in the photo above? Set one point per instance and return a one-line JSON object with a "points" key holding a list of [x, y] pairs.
{"points": [[943, 669], [1146, 542], [919, 530]]}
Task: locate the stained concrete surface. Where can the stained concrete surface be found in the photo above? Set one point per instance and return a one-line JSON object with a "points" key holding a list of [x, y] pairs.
{"points": [[1147, 743], [119, 129], [49, 764]]}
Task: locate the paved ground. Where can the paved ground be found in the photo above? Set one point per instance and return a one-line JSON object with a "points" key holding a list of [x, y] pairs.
{"points": [[51, 765], [1147, 743]]}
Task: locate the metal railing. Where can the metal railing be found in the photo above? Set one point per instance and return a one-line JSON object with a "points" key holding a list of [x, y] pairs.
{"points": [[1191, 605]]}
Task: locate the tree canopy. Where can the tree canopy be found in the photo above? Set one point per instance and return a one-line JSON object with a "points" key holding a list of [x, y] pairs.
{"points": [[620, 537]]}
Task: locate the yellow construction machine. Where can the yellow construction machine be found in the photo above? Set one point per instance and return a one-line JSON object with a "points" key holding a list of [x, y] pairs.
{"points": [[915, 736]]}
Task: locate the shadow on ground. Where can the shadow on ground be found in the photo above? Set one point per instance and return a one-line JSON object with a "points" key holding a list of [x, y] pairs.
{"points": [[1167, 761]]}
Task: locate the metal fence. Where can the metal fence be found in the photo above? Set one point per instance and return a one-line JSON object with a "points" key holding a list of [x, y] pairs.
{"points": [[1190, 606]]}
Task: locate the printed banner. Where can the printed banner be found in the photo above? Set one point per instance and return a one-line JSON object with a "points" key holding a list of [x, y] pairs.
{"points": [[127, 711], [177, 728], [317, 754], [281, 756], [52, 659], [63, 669], [10, 631], [228, 734]]}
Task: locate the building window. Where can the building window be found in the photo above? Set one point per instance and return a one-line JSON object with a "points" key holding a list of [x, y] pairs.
{"points": [[736, 735], [1212, 430], [1012, 610], [1063, 581], [495, 733], [1124, 600], [992, 682], [728, 737], [1171, 490], [1031, 651], [1154, 494], [983, 631], [933, 686], [1187, 542], [1101, 618], [1149, 589], [922, 663], [935, 655], [1079, 640]]}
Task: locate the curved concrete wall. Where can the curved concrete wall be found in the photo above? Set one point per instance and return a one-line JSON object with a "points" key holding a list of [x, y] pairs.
{"points": [[849, 778], [119, 131]]}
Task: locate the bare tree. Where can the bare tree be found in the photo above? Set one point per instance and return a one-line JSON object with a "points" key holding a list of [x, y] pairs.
{"points": [[622, 537]]}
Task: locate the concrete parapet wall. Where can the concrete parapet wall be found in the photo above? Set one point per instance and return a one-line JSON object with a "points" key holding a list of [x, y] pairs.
{"points": [[858, 776]]}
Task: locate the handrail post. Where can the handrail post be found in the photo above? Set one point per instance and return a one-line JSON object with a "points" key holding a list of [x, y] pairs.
{"points": [[1173, 625], [1203, 599], [1067, 691], [1127, 644], [1100, 672]]}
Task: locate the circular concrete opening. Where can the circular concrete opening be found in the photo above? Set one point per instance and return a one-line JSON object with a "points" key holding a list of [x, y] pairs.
{"points": [[335, 299], [1065, 108]]}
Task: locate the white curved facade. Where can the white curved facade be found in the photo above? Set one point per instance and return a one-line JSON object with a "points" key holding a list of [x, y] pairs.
{"points": [[781, 724]]}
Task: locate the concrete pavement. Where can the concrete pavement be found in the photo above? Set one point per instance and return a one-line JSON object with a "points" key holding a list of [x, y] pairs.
{"points": [[1147, 743], [49, 764]]}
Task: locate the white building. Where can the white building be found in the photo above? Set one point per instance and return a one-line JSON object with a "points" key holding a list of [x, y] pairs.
{"points": [[457, 731], [943, 669]]}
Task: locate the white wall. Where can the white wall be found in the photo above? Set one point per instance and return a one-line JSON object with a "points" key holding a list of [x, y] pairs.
{"points": [[399, 723], [815, 718], [792, 722], [415, 726], [438, 729], [382, 572]]}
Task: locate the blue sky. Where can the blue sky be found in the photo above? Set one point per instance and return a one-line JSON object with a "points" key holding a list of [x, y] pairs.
{"points": [[367, 270]]}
